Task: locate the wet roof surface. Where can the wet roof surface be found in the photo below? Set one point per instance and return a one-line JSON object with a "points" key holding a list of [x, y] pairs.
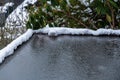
{"points": [[64, 58]]}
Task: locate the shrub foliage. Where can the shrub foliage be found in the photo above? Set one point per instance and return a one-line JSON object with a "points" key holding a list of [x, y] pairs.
{"points": [[74, 13]]}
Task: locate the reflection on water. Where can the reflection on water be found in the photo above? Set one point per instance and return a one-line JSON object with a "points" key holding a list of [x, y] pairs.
{"points": [[64, 58]]}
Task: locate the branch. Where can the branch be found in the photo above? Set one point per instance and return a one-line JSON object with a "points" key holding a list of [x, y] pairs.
{"points": [[72, 17], [80, 22], [112, 14]]}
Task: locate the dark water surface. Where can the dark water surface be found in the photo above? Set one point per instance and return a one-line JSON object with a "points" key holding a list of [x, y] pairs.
{"points": [[64, 58]]}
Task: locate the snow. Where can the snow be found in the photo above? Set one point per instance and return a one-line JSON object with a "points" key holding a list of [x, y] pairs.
{"points": [[53, 31], [9, 49], [19, 16], [3, 9]]}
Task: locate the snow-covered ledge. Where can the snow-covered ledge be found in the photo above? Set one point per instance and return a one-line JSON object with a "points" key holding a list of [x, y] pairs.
{"points": [[54, 31], [9, 49]]}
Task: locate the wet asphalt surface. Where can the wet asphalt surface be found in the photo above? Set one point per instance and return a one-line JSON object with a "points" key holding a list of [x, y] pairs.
{"points": [[64, 58]]}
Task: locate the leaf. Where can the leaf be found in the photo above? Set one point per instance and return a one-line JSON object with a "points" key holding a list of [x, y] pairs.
{"points": [[63, 4], [108, 17], [113, 4], [54, 2], [48, 8], [44, 0]]}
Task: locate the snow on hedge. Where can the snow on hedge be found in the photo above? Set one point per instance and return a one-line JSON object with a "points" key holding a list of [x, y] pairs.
{"points": [[54, 31], [9, 49], [3, 9], [19, 16]]}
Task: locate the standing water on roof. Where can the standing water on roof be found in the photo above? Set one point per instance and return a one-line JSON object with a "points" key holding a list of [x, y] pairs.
{"points": [[64, 58]]}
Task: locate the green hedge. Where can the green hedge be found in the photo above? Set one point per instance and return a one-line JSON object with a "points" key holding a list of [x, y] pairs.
{"points": [[75, 14]]}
